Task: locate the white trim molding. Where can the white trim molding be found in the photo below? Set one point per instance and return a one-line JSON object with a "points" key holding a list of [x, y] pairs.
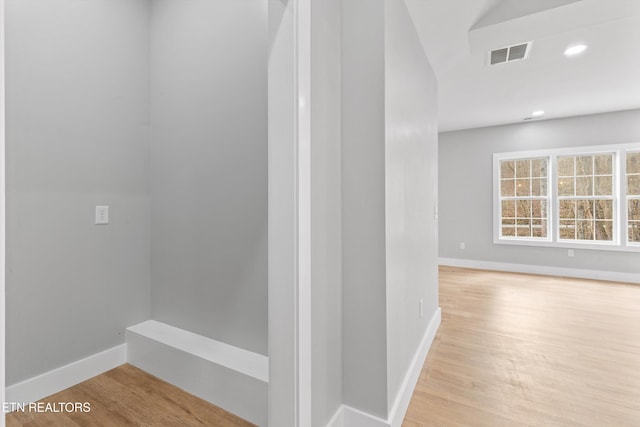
{"points": [[303, 309], [229, 377], [401, 404], [288, 213], [51, 382], [220, 353], [338, 418], [613, 276], [346, 416], [2, 216], [352, 417]]}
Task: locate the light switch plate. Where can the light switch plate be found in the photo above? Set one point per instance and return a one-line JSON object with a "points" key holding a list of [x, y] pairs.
{"points": [[102, 215]]}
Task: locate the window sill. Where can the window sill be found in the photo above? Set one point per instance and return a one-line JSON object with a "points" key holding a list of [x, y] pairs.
{"points": [[614, 247]]}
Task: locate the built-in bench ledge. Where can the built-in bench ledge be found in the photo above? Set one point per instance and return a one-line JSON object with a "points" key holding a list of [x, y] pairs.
{"points": [[232, 378]]}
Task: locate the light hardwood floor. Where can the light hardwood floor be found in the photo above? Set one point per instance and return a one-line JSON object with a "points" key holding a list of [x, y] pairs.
{"points": [[127, 396], [512, 350], [525, 350]]}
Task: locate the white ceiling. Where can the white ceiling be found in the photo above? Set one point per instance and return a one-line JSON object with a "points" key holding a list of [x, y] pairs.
{"points": [[457, 35]]}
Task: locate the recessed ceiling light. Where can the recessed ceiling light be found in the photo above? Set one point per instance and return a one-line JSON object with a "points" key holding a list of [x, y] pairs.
{"points": [[537, 113], [575, 50]]}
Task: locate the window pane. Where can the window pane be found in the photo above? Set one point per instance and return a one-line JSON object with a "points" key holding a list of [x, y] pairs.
{"points": [[584, 230], [523, 208], [539, 168], [633, 185], [584, 209], [538, 209], [507, 169], [539, 228], [567, 209], [524, 180], [566, 186], [524, 231], [508, 231], [584, 165], [593, 176], [508, 209], [539, 187], [603, 164], [523, 169], [603, 185], [565, 166], [604, 209], [568, 230], [633, 162], [523, 187], [507, 188], [634, 210], [584, 186], [604, 230], [634, 231]]}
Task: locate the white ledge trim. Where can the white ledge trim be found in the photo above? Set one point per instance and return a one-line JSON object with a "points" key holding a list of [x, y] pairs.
{"points": [[613, 276]]}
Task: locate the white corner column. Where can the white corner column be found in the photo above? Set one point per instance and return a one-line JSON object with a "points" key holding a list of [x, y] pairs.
{"points": [[2, 216], [289, 214], [303, 322]]}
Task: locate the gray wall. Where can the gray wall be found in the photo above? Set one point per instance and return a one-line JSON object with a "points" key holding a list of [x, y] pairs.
{"points": [[411, 192], [209, 168], [389, 192], [77, 137], [364, 346], [326, 218], [466, 187]]}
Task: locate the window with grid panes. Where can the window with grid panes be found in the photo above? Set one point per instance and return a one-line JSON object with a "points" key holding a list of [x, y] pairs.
{"points": [[524, 198], [578, 197], [586, 197], [633, 197]]}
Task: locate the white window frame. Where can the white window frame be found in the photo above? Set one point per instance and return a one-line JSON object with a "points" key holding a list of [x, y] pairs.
{"points": [[623, 189], [546, 198], [617, 220], [620, 215]]}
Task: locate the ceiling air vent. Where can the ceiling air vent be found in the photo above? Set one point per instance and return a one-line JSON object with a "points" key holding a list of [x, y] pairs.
{"points": [[509, 54]]}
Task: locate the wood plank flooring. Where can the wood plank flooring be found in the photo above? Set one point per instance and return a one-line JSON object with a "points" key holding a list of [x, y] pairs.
{"points": [[526, 350], [127, 396], [512, 350]]}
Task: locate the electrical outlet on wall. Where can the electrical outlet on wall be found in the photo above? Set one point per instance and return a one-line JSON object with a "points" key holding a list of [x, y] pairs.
{"points": [[463, 245], [571, 252], [102, 215], [420, 308]]}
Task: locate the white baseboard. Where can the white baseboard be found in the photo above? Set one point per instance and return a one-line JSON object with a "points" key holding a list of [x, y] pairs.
{"points": [[51, 382], [347, 416], [613, 276], [356, 418], [401, 403], [338, 418], [219, 353], [229, 377]]}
